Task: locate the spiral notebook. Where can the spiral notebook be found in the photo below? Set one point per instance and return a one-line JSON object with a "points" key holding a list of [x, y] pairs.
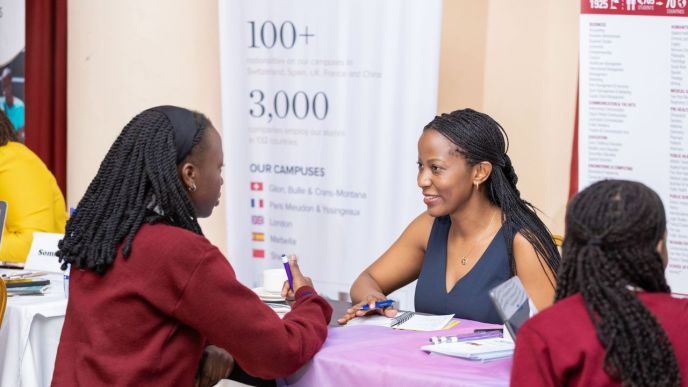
{"points": [[406, 320]]}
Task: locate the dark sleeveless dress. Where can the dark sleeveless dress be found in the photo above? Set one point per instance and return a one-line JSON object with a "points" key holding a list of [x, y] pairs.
{"points": [[469, 298]]}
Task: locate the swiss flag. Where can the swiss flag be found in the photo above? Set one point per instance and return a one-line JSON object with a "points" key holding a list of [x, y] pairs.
{"points": [[258, 253], [256, 186]]}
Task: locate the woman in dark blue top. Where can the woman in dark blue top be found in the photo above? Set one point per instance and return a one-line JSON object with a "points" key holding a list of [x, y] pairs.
{"points": [[476, 233], [469, 297]]}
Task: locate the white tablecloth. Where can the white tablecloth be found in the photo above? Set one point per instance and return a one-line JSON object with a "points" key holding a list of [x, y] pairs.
{"points": [[29, 336]]}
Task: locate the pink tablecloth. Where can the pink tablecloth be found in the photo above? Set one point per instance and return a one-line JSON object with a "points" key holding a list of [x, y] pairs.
{"points": [[378, 356]]}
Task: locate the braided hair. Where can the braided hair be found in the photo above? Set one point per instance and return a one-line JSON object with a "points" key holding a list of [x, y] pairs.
{"points": [[479, 138], [137, 182], [612, 231], [7, 132]]}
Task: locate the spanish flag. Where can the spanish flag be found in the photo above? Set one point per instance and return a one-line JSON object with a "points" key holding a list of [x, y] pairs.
{"points": [[258, 236]]}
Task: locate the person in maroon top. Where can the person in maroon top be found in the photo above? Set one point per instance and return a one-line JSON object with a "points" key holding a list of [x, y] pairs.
{"points": [[148, 292], [614, 321]]}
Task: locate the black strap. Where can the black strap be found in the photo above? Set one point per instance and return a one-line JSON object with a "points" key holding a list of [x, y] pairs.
{"points": [[184, 126]]}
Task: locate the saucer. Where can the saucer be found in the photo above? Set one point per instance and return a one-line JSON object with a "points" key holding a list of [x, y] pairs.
{"points": [[262, 290], [266, 295]]}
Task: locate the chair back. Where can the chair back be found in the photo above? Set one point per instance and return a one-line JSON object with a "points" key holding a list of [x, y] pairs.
{"points": [[558, 241], [3, 300]]}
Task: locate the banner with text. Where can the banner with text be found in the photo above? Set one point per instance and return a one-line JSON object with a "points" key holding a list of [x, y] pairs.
{"points": [[633, 106], [322, 106]]}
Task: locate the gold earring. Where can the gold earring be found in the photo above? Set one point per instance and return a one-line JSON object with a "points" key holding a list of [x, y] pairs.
{"points": [[192, 187], [477, 185]]}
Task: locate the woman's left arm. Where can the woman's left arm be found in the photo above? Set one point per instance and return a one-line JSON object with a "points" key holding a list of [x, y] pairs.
{"points": [[532, 270]]}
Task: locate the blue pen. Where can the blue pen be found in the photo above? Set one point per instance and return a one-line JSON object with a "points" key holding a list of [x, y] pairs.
{"points": [[285, 262], [379, 304]]}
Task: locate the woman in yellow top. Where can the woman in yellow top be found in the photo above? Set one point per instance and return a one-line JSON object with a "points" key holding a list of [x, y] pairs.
{"points": [[34, 201]]}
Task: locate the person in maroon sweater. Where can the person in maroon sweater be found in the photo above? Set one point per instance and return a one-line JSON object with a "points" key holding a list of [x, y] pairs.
{"points": [[148, 292], [615, 321]]}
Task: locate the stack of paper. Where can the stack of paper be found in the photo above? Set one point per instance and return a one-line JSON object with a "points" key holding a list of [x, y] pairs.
{"points": [[280, 309], [33, 286], [482, 350]]}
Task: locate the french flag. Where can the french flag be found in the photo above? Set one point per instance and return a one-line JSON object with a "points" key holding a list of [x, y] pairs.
{"points": [[256, 203]]}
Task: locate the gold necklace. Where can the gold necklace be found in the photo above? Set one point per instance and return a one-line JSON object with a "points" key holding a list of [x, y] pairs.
{"points": [[464, 260]]}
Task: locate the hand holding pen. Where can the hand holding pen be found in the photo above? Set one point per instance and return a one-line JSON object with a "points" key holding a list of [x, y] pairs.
{"points": [[373, 304], [295, 279], [377, 305]]}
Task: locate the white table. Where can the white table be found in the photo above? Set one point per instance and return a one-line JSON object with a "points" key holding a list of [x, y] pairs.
{"points": [[29, 336]]}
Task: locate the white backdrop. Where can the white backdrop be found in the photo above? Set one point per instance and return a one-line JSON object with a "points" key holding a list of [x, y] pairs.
{"points": [[12, 29], [322, 104], [634, 107]]}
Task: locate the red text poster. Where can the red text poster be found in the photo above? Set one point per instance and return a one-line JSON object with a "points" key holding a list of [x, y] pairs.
{"points": [[634, 106]]}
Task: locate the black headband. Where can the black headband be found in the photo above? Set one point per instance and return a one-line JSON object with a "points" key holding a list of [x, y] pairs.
{"points": [[184, 128]]}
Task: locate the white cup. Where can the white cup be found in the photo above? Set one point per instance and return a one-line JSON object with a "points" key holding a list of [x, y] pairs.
{"points": [[273, 280]]}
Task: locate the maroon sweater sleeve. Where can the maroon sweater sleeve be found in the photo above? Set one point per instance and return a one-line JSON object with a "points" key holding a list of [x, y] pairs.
{"points": [[232, 316], [532, 365]]}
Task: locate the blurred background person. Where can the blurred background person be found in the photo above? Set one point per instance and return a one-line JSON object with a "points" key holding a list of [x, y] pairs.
{"points": [[34, 200], [12, 105]]}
